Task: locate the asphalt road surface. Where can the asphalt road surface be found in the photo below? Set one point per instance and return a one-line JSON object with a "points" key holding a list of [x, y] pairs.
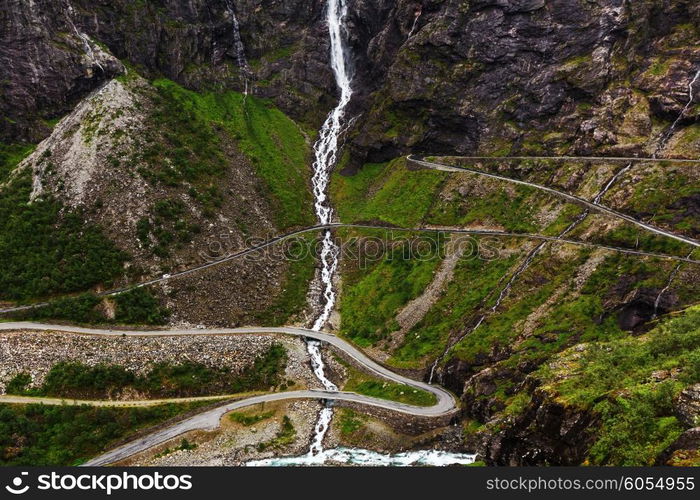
{"points": [[210, 419]]}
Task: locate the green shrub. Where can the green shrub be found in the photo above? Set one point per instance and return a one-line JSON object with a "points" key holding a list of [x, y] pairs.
{"points": [[39, 435], [139, 306], [46, 250], [19, 383], [80, 309], [76, 380], [636, 429], [11, 155], [350, 422], [72, 379]]}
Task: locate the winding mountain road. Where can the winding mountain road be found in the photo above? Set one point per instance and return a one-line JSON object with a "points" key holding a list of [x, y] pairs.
{"points": [[626, 159], [28, 400], [449, 230], [419, 160], [445, 404]]}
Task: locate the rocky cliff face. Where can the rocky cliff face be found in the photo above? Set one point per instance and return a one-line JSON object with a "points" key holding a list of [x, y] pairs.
{"points": [[494, 77], [544, 433], [48, 64], [435, 76], [499, 76]]}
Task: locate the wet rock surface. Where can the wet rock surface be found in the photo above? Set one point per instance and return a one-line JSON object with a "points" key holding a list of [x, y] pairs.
{"points": [[429, 76], [46, 69], [545, 433]]}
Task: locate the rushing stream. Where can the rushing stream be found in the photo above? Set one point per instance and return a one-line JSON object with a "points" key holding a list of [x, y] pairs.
{"points": [[240, 49], [326, 155]]}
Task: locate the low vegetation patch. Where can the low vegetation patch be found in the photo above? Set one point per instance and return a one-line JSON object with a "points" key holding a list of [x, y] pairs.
{"points": [[47, 250], [184, 445], [168, 226], [273, 142], [39, 435], [76, 380], [11, 155], [247, 420], [375, 291], [393, 392], [614, 380], [473, 284], [136, 307], [386, 192], [285, 436], [368, 385], [350, 422]]}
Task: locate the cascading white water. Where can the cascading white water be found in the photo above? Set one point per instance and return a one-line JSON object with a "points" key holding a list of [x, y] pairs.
{"points": [[610, 183], [326, 153], [691, 97], [240, 48], [665, 289], [416, 17], [356, 456], [324, 419], [87, 45], [325, 157], [314, 349]]}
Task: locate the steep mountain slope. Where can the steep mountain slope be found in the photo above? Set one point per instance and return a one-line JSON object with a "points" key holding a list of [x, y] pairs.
{"points": [[177, 132], [436, 76], [174, 179]]}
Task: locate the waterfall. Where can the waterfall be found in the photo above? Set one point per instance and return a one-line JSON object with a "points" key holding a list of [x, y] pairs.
{"points": [[610, 183], [324, 419], [325, 157], [87, 45], [416, 17], [326, 153], [665, 289], [239, 47], [691, 97]]}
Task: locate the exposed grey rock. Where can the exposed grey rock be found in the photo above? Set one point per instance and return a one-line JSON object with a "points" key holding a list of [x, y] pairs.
{"points": [[36, 352], [689, 441], [46, 69], [687, 406]]}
